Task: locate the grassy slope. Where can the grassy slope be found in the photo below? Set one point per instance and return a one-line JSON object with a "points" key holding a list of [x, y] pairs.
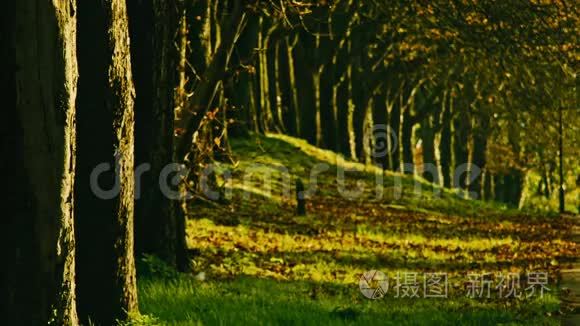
{"points": [[263, 265]]}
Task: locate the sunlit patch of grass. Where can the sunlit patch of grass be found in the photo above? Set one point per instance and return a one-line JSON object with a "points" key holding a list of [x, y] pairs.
{"points": [[314, 262], [253, 301]]}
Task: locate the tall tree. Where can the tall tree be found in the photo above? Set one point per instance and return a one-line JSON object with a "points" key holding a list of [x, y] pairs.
{"points": [[154, 56], [190, 118], [106, 182], [37, 144]]}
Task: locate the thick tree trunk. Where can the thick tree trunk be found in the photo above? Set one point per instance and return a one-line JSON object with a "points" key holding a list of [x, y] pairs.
{"points": [[106, 182], [153, 25], [37, 144]]}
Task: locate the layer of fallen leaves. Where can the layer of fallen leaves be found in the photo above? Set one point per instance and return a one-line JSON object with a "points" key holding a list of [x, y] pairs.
{"points": [[340, 239]]}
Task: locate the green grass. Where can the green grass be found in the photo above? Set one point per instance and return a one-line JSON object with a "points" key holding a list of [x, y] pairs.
{"points": [[255, 301], [263, 265]]}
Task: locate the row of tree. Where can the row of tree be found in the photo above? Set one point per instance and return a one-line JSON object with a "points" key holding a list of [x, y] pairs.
{"points": [[465, 83], [71, 76], [96, 107]]}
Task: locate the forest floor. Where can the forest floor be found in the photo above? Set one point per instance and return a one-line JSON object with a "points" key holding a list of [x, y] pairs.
{"points": [[255, 262]]}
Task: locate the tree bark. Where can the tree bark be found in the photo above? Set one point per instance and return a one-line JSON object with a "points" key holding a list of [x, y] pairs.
{"points": [[478, 159], [381, 134], [341, 102], [428, 142], [445, 145], [327, 111], [104, 225], [244, 115], [38, 76], [395, 125], [306, 94], [286, 84], [154, 57], [461, 130], [407, 138]]}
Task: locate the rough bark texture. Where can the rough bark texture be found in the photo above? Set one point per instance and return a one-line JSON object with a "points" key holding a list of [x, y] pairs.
{"points": [[38, 76], [153, 25], [106, 267]]}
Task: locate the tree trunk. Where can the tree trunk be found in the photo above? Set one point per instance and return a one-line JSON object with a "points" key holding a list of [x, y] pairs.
{"points": [[487, 186], [106, 181], [341, 102], [263, 77], [380, 133], [190, 119], [37, 140], [306, 95], [286, 84], [428, 143], [512, 183], [407, 138], [327, 111], [278, 96], [154, 58], [242, 96], [395, 125], [460, 148], [499, 188], [478, 159], [445, 146]]}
